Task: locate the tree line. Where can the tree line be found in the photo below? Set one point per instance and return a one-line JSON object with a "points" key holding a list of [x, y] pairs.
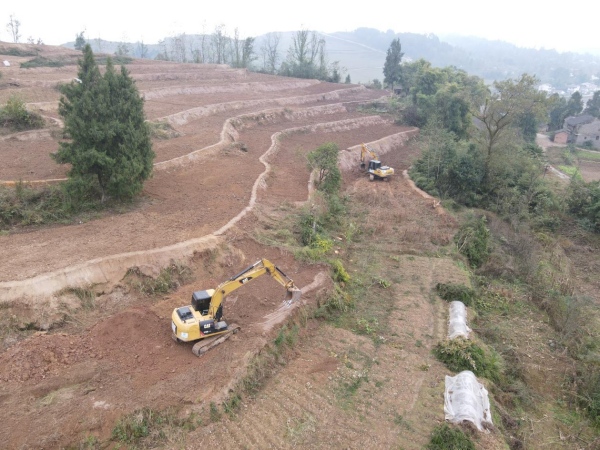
{"points": [[306, 55], [478, 141]]}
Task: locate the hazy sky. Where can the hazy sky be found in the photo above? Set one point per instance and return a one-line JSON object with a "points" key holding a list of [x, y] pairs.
{"points": [[521, 22]]}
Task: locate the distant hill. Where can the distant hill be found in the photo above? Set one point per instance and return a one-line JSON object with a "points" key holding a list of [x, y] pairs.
{"points": [[362, 53]]}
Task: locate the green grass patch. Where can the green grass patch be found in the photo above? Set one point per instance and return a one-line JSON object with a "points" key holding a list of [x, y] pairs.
{"points": [[169, 279], [42, 61], [15, 116], [152, 427], [462, 354], [456, 292], [446, 437], [569, 170], [15, 51], [162, 131], [588, 155], [25, 205], [86, 295]]}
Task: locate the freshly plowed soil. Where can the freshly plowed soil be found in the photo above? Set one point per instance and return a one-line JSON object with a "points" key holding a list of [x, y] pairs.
{"points": [[239, 157]]}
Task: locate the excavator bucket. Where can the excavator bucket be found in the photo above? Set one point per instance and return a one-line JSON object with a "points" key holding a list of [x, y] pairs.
{"points": [[292, 295]]}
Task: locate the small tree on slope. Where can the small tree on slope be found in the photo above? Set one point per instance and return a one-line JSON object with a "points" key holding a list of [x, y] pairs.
{"points": [[109, 139]]}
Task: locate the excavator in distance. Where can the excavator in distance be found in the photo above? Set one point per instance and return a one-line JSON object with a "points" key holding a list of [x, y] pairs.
{"points": [[201, 321], [376, 170]]}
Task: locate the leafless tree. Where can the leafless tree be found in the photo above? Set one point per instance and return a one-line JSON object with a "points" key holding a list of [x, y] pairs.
{"points": [[270, 54], [179, 48], [219, 44], [142, 49], [13, 26], [236, 49]]}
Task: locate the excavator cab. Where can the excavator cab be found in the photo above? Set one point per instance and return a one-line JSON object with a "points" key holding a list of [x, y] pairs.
{"points": [[374, 165]]}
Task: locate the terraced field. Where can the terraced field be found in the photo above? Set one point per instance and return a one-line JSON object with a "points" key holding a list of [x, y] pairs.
{"points": [[233, 167]]}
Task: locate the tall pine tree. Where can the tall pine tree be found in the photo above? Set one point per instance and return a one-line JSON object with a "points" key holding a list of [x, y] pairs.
{"points": [[392, 70], [109, 141]]}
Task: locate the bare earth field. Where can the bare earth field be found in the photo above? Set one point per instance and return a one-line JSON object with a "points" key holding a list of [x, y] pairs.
{"points": [[69, 371]]}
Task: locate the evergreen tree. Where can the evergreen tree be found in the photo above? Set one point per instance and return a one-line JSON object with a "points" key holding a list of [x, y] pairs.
{"points": [[575, 104], [109, 139], [392, 70], [592, 107], [79, 41]]}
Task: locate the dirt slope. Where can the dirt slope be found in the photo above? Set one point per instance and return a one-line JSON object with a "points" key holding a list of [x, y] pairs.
{"points": [[239, 131]]}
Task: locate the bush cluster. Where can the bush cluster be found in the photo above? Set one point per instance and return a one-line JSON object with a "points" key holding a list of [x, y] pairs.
{"points": [[456, 292], [462, 354], [14, 115]]}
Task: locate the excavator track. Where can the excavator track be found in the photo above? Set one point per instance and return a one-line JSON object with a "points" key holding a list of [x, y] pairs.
{"points": [[206, 344]]}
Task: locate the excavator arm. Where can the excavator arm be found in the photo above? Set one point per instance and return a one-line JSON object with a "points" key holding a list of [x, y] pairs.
{"points": [[256, 270], [364, 150]]}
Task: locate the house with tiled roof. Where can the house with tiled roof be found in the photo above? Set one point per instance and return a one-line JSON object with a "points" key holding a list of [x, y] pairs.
{"points": [[582, 129]]}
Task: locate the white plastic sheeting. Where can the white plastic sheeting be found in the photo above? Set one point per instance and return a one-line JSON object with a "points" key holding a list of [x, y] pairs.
{"points": [[457, 324], [465, 398]]}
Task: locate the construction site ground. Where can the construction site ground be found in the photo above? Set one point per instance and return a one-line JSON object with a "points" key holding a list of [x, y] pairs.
{"points": [[71, 369]]}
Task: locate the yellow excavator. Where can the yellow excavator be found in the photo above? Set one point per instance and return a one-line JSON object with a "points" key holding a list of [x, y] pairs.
{"points": [[201, 321], [376, 170]]}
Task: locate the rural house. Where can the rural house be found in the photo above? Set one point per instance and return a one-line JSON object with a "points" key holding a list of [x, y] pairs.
{"points": [[582, 129]]}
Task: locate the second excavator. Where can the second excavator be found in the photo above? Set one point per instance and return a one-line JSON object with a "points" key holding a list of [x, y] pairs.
{"points": [[202, 320], [376, 170]]}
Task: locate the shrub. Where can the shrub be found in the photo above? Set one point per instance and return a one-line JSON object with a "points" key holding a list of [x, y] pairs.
{"points": [[473, 241], [462, 354], [588, 390], [41, 61], [459, 292], [445, 437], [339, 273], [15, 115]]}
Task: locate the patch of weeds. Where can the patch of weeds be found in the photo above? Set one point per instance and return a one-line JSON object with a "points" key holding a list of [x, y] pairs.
{"points": [[86, 295], [215, 414], [133, 427], [14, 115], [298, 428], [232, 404], [89, 443], [169, 279], [339, 273], [456, 292], [366, 327], [383, 283], [42, 61], [401, 421], [445, 437], [462, 354], [287, 336], [15, 51], [419, 343], [473, 241], [348, 388], [338, 301], [588, 391], [162, 130]]}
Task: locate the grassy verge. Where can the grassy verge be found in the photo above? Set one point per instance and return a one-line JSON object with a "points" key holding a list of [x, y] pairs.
{"points": [[25, 205], [168, 279]]}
